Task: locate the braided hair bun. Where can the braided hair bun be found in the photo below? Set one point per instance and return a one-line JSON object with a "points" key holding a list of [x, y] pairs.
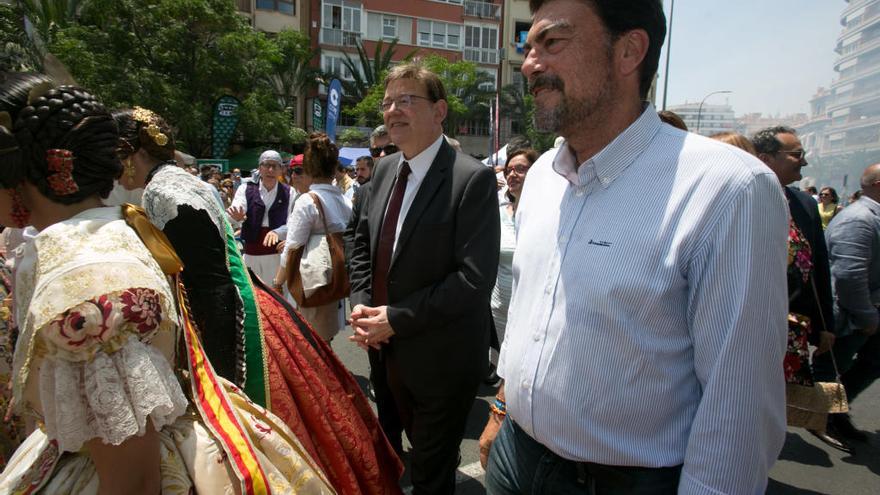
{"points": [[45, 117], [321, 156], [142, 128]]}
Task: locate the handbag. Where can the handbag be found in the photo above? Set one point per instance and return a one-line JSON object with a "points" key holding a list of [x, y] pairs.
{"points": [[314, 254], [809, 406]]}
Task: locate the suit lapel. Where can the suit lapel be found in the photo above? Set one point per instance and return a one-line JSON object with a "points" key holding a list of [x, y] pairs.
{"points": [[430, 184]]}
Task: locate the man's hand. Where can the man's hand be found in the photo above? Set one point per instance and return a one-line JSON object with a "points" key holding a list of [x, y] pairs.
{"points": [[237, 213], [826, 342], [271, 239], [488, 437], [370, 325]]}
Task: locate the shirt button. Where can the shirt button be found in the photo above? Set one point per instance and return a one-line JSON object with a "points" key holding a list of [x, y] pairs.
{"points": [[525, 384], [548, 290], [537, 337], [562, 239], [579, 192]]}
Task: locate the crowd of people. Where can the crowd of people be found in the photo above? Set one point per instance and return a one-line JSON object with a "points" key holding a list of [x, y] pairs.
{"points": [[169, 331]]}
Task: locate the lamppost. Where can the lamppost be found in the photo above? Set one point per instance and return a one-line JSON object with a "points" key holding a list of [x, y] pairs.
{"points": [[668, 51], [700, 111]]}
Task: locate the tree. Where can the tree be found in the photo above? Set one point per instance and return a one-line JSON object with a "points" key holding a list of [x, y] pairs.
{"points": [[352, 137], [366, 73], [519, 109], [291, 73], [17, 50], [177, 57], [47, 16]]}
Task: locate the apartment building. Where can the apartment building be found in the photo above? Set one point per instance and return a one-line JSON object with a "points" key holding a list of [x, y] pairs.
{"points": [[706, 119]]}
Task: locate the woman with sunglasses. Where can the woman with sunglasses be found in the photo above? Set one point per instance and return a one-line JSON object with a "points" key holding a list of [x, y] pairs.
{"points": [[251, 334], [515, 170], [828, 205]]}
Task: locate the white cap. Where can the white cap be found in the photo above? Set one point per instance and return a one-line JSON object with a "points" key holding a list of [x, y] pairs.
{"points": [[270, 156]]}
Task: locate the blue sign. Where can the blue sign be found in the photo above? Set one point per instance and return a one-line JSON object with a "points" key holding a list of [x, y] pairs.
{"points": [[334, 102]]}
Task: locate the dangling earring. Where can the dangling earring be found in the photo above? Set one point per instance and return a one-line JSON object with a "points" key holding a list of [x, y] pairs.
{"points": [[129, 170], [20, 214]]}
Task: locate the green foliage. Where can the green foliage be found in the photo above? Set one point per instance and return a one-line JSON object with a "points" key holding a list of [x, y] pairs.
{"points": [[177, 57], [290, 73], [298, 136], [352, 137], [17, 50], [367, 72], [519, 108], [465, 91], [367, 109]]}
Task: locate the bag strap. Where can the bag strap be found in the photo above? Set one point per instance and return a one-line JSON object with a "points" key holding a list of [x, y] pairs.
{"points": [[825, 326], [320, 208]]}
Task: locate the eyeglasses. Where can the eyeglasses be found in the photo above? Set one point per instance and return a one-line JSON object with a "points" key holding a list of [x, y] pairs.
{"points": [[270, 165], [520, 169], [799, 154], [388, 149], [822, 195], [402, 102], [297, 170]]}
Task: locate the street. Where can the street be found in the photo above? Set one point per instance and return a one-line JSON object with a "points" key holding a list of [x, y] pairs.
{"points": [[806, 465]]}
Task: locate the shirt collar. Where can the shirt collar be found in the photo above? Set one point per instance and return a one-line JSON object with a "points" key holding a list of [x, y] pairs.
{"points": [[420, 163], [612, 160], [263, 189], [323, 187]]}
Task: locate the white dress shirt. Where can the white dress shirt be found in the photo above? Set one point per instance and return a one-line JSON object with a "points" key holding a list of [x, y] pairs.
{"points": [[647, 320], [419, 166], [268, 197]]}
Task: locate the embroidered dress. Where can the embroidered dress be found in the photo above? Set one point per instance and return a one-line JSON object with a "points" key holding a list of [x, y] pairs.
{"points": [[11, 431], [284, 364], [96, 358], [800, 265]]}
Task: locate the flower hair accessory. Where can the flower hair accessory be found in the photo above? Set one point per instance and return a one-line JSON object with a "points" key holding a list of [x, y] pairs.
{"points": [[149, 118], [61, 172]]}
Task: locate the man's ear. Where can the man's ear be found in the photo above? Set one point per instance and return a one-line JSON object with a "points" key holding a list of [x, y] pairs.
{"points": [[630, 51], [441, 108]]}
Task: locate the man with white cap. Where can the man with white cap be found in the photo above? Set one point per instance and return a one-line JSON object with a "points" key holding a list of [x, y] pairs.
{"points": [[261, 206]]}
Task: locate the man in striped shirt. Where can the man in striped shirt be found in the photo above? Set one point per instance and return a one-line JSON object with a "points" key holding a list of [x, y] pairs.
{"points": [[647, 323]]}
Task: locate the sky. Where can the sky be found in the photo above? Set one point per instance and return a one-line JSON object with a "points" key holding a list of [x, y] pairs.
{"points": [[773, 54]]}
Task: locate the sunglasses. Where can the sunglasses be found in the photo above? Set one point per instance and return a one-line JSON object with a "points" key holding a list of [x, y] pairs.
{"points": [[297, 170], [520, 169], [388, 149], [799, 154]]}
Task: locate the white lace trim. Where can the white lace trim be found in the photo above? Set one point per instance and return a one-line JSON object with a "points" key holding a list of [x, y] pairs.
{"points": [[171, 187], [110, 397]]}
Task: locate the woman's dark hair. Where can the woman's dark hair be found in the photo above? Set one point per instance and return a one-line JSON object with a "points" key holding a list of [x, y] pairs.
{"points": [[321, 156], [530, 154], [36, 116], [136, 132], [834, 197]]}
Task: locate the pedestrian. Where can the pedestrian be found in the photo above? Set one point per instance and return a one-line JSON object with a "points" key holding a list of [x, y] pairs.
{"points": [[646, 330], [828, 205], [854, 250], [424, 261], [261, 206]]}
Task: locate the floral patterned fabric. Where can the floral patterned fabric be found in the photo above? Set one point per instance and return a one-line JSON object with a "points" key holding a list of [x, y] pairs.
{"points": [[800, 266], [12, 430]]}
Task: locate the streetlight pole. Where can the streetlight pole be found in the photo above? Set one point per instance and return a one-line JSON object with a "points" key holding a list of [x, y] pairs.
{"points": [[700, 111], [668, 51]]}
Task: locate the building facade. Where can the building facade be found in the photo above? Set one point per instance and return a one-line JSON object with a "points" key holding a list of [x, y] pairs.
{"points": [[706, 119]]}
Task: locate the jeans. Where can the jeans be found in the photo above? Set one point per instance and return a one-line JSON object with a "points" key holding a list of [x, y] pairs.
{"points": [[518, 464]]}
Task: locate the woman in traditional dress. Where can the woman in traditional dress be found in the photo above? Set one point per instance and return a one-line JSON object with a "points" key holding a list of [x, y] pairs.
{"points": [[96, 360], [265, 344]]}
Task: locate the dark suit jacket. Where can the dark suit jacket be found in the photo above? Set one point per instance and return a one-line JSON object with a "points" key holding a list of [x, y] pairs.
{"points": [[805, 213], [350, 229], [442, 271]]}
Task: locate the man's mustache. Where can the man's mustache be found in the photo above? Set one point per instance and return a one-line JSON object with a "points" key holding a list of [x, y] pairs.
{"points": [[546, 81]]}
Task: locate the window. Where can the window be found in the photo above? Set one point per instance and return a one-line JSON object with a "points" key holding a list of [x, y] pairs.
{"points": [[283, 6], [481, 44], [389, 27], [439, 34], [341, 14], [335, 64]]}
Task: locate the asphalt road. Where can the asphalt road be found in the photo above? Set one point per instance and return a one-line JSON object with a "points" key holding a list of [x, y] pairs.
{"points": [[806, 466]]}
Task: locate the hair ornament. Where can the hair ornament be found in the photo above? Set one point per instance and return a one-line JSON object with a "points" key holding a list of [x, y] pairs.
{"points": [[61, 172], [148, 118]]}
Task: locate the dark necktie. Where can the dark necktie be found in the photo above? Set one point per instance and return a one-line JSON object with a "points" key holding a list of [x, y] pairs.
{"points": [[386, 239]]}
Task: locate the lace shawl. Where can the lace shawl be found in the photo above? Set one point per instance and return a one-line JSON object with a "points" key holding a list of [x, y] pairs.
{"points": [[172, 186]]}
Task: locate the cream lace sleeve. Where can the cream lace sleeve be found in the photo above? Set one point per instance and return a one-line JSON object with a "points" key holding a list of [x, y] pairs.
{"points": [[100, 377]]}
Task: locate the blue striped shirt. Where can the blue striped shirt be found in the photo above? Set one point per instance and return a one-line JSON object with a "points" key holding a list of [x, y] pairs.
{"points": [[647, 324]]}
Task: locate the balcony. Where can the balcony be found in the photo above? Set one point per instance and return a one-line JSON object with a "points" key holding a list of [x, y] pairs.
{"points": [[481, 55], [338, 37], [483, 10], [855, 123]]}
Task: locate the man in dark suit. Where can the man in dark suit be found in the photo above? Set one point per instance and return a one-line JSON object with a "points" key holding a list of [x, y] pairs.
{"points": [[781, 150], [423, 265]]}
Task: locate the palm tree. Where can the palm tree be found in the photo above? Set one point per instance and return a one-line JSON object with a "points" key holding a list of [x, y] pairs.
{"points": [[47, 16], [366, 72], [292, 75]]}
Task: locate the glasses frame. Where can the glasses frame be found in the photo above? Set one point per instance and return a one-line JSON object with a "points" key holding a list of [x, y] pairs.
{"points": [[401, 102], [799, 154]]}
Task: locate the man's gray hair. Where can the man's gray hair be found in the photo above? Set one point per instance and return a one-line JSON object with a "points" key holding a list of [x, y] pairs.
{"points": [[378, 132]]}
